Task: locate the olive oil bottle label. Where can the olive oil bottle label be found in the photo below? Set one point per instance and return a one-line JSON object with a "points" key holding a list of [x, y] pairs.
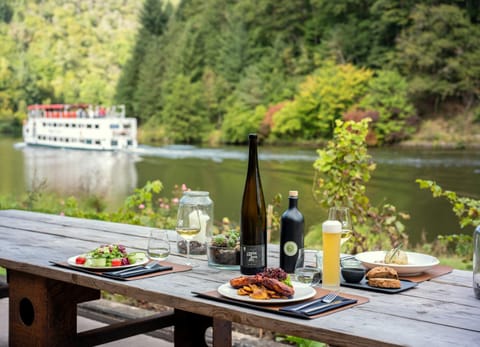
{"points": [[290, 248], [253, 256]]}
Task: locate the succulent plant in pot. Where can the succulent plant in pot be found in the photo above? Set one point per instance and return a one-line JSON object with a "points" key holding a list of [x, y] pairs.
{"points": [[224, 249]]}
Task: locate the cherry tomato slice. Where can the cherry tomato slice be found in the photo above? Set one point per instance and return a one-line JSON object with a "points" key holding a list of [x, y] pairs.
{"points": [[116, 262], [80, 260]]}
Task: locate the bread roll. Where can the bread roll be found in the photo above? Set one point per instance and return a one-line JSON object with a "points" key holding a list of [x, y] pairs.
{"points": [[384, 283], [382, 272], [383, 277]]}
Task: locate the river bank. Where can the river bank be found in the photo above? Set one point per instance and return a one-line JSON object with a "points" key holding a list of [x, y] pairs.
{"points": [[461, 131]]}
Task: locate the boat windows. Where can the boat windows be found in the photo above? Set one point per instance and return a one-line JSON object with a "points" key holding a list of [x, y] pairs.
{"points": [[74, 125], [127, 126], [89, 126], [97, 126], [97, 142], [129, 142], [114, 143], [88, 142], [114, 126]]}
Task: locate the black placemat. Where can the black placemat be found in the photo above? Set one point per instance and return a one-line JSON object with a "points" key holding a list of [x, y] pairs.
{"points": [[363, 284], [175, 268], [275, 308]]}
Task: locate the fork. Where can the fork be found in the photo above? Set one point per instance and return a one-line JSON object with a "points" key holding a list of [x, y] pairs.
{"points": [[330, 297]]}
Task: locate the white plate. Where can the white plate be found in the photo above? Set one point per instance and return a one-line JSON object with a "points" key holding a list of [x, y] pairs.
{"points": [[417, 262], [71, 261], [302, 291]]}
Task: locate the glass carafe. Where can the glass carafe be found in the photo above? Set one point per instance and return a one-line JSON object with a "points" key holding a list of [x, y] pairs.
{"points": [[202, 200]]}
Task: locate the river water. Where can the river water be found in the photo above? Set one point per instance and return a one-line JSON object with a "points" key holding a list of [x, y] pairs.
{"points": [[221, 171]]}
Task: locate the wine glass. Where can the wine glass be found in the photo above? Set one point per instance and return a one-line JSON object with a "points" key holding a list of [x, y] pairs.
{"points": [[342, 214], [188, 226], [158, 247], [307, 269]]}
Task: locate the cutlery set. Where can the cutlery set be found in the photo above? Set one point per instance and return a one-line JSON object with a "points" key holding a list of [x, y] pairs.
{"points": [[138, 270], [317, 306]]}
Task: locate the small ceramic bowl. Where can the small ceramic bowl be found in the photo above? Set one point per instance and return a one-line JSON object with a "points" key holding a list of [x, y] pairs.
{"points": [[353, 275], [352, 270]]}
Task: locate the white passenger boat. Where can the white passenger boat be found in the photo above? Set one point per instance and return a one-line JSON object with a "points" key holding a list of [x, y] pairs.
{"points": [[80, 126]]}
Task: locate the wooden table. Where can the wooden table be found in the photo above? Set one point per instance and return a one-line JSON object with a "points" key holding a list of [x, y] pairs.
{"points": [[43, 298]]}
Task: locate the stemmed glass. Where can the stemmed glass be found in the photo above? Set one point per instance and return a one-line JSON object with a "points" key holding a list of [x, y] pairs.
{"points": [[342, 214], [188, 226], [307, 269], [158, 247]]}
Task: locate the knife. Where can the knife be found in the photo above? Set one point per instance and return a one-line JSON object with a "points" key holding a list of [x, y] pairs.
{"points": [[142, 271], [119, 272]]}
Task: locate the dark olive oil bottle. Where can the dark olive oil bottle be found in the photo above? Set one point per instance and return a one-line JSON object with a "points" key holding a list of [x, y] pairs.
{"points": [[291, 233], [253, 220]]}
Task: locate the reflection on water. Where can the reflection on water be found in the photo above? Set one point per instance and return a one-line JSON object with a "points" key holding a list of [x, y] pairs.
{"points": [[221, 171], [109, 175], [221, 154]]}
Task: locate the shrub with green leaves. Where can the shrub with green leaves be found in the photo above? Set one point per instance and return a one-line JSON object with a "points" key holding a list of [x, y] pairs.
{"points": [[240, 121], [387, 96], [342, 171], [466, 209], [322, 98]]}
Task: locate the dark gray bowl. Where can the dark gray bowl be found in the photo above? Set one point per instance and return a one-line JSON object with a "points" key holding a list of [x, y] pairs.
{"points": [[353, 274]]}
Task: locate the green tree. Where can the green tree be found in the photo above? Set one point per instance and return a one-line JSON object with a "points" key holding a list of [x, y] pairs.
{"points": [[440, 52], [240, 121], [183, 112], [154, 18], [387, 97], [6, 12], [322, 98]]}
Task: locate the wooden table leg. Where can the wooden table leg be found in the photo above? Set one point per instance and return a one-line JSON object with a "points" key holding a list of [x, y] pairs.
{"points": [[190, 330], [222, 333], [43, 312]]}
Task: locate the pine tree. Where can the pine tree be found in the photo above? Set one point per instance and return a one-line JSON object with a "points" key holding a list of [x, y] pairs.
{"points": [[154, 19]]}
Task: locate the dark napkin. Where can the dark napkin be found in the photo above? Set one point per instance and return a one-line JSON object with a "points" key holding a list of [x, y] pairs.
{"points": [[167, 268], [136, 272], [276, 307], [317, 306]]}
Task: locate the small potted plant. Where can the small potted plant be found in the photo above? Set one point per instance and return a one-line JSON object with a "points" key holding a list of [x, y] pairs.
{"points": [[224, 250]]}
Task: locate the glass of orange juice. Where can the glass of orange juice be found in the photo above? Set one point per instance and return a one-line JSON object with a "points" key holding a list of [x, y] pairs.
{"points": [[332, 232]]}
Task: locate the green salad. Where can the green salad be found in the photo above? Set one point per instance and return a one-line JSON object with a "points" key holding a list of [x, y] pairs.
{"points": [[110, 255]]}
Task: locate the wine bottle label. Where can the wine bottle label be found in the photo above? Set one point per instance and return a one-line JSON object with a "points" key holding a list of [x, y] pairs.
{"points": [[253, 256], [290, 248]]}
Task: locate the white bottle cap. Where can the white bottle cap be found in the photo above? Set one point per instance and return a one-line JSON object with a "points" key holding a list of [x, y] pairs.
{"points": [[293, 193], [332, 226]]}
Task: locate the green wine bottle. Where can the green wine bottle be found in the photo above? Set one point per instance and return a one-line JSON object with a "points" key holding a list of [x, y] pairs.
{"points": [[253, 221]]}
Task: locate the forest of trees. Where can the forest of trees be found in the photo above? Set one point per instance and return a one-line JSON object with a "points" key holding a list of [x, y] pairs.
{"points": [[199, 69], [60, 51]]}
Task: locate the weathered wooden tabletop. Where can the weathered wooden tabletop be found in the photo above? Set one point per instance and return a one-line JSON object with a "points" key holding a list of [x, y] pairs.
{"points": [[439, 312]]}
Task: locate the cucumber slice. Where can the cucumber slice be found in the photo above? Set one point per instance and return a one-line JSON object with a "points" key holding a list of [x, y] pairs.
{"points": [[136, 257], [96, 262]]}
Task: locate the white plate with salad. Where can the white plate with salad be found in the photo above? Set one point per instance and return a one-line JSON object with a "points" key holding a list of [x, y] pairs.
{"points": [[108, 257]]}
